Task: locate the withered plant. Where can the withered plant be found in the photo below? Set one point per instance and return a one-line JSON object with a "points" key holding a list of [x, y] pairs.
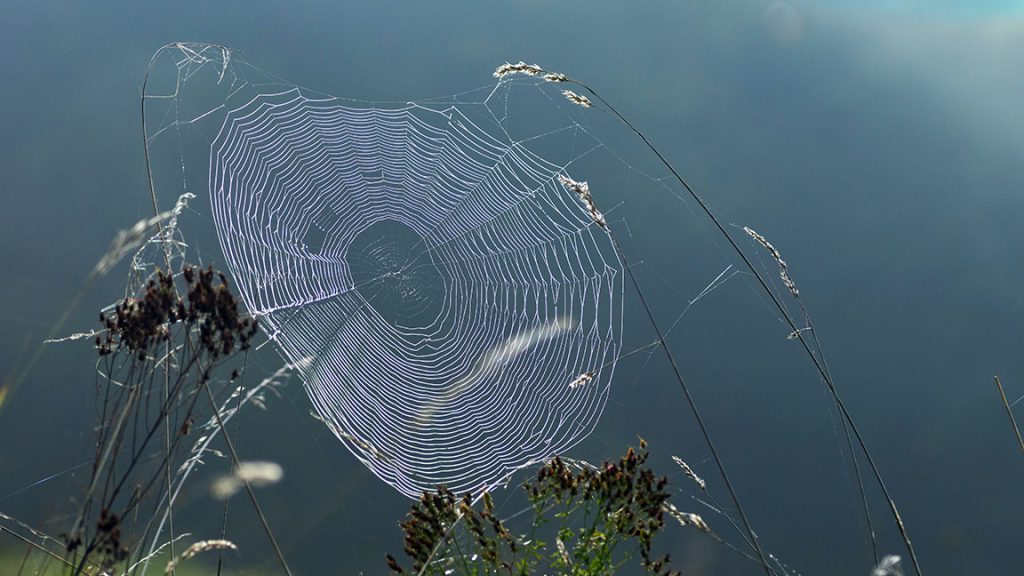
{"points": [[159, 371], [587, 520]]}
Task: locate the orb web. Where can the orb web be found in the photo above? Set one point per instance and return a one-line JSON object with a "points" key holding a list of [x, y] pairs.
{"points": [[435, 283]]}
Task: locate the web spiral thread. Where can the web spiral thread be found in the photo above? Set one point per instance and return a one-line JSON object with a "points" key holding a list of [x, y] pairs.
{"points": [[453, 309]]}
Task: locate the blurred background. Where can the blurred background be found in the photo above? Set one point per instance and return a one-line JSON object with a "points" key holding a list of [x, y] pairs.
{"points": [[877, 144]]}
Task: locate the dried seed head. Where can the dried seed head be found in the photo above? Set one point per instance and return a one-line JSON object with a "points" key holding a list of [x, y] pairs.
{"points": [[581, 380], [690, 473], [577, 98], [687, 518], [582, 189], [783, 272], [198, 548], [517, 68], [529, 70]]}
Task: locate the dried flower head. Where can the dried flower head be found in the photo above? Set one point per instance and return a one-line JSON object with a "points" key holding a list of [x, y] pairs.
{"points": [[687, 518], [577, 98], [783, 272], [210, 311], [198, 548], [690, 473], [517, 68], [581, 380], [582, 189], [127, 241], [529, 70]]}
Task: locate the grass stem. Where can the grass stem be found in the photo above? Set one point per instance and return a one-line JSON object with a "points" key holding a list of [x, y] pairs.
{"points": [[1009, 412]]}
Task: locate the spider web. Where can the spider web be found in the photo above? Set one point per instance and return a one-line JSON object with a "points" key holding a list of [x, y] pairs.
{"points": [[436, 284], [457, 313], [442, 286]]}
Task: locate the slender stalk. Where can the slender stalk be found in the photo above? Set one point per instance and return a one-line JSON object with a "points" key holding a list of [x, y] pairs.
{"points": [[167, 448], [696, 413], [167, 261], [248, 487], [42, 549], [1013, 421]]}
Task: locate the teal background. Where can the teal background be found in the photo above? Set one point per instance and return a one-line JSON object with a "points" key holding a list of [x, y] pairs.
{"points": [[878, 145]]}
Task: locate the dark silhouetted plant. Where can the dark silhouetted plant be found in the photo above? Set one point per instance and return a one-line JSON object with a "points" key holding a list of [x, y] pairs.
{"points": [[157, 353], [587, 521]]}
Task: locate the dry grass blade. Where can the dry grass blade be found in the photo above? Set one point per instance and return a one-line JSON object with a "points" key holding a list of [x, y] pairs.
{"points": [[35, 545], [783, 272], [130, 571], [227, 410], [42, 536], [127, 241], [75, 336], [1009, 412], [518, 68], [690, 473], [687, 518], [198, 548], [577, 98], [579, 464]]}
